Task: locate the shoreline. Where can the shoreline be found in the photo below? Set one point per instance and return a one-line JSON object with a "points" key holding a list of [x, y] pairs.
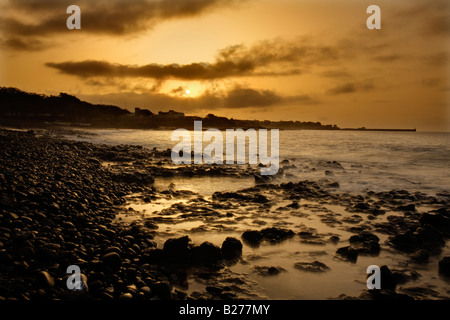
{"points": [[78, 189]]}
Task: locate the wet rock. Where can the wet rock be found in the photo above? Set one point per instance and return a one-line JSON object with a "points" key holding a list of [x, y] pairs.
{"points": [[126, 296], [353, 219], [277, 234], [404, 241], [388, 280], [429, 237], [421, 256], [206, 254], [365, 243], [252, 237], [231, 248], [112, 260], [409, 207], [45, 279], [315, 266], [268, 271], [444, 266], [161, 289], [334, 185], [347, 253], [437, 221], [334, 239], [177, 249]]}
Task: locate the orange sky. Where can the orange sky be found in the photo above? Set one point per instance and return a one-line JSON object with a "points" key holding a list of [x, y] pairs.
{"points": [[308, 60]]}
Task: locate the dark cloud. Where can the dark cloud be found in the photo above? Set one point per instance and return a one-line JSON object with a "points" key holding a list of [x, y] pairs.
{"points": [[271, 57], [432, 18], [21, 44], [336, 74], [439, 59], [388, 58], [236, 97], [431, 82], [109, 17], [351, 87]]}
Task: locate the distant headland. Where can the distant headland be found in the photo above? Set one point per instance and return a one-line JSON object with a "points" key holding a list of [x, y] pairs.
{"points": [[25, 109]]}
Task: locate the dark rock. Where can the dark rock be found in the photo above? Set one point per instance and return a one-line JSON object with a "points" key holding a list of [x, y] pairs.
{"points": [[333, 185], [315, 266], [45, 279], [365, 243], [112, 260], [152, 256], [206, 254], [348, 253], [409, 207], [334, 239], [388, 280], [231, 248], [361, 206], [429, 237], [177, 249], [126, 296], [420, 256], [161, 289], [214, 290], [277, 234], [444, 266], [268, 271], [437, 221], [404, 241], [252, 237]]}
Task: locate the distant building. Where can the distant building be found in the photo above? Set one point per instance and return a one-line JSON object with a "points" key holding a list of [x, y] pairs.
{"points": [[138, 112], [171, 114]]}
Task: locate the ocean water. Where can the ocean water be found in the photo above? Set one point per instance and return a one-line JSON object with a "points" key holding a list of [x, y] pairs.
{"points": [[377, 161]]}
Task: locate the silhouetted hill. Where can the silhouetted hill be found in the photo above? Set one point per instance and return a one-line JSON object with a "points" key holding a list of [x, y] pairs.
{"points": [[18, 104], [24, 109]]}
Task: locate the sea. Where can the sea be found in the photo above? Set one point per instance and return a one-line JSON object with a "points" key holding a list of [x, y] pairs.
{"points": [[370, 160]]}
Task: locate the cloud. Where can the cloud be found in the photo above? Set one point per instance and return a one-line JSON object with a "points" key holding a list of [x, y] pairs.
{"points": [[236, 97], [107, 17], [266, 58], [433, 17], [351, 87], [21, 44], [388, 58]]}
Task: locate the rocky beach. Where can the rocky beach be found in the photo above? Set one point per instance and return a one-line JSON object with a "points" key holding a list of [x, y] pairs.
{"points": [[97, 206]]}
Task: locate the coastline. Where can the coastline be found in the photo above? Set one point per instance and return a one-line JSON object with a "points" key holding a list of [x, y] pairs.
{"points": [[62, 198]]}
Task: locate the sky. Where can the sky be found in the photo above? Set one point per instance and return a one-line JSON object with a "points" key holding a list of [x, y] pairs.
{"points": [[306, 60]]}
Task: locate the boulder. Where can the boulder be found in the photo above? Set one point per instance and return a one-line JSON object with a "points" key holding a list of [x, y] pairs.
{"points": [[231, 248]]}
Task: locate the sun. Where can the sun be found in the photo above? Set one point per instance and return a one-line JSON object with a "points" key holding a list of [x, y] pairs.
{"points": [[188, 91]]}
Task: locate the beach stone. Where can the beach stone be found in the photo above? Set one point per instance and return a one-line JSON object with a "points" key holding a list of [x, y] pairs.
{"points": [[334, 239], [315, 266], [404, 241], [348, 253], [177, 248], [126, 296], [277, 234], [409, 207], [207, 254], [45, 279], [437, 221], [268, 271], [231, 248], [112, 260], [444, 266], [252, 237], [388, 280], [420, 256], [161, 289]]}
